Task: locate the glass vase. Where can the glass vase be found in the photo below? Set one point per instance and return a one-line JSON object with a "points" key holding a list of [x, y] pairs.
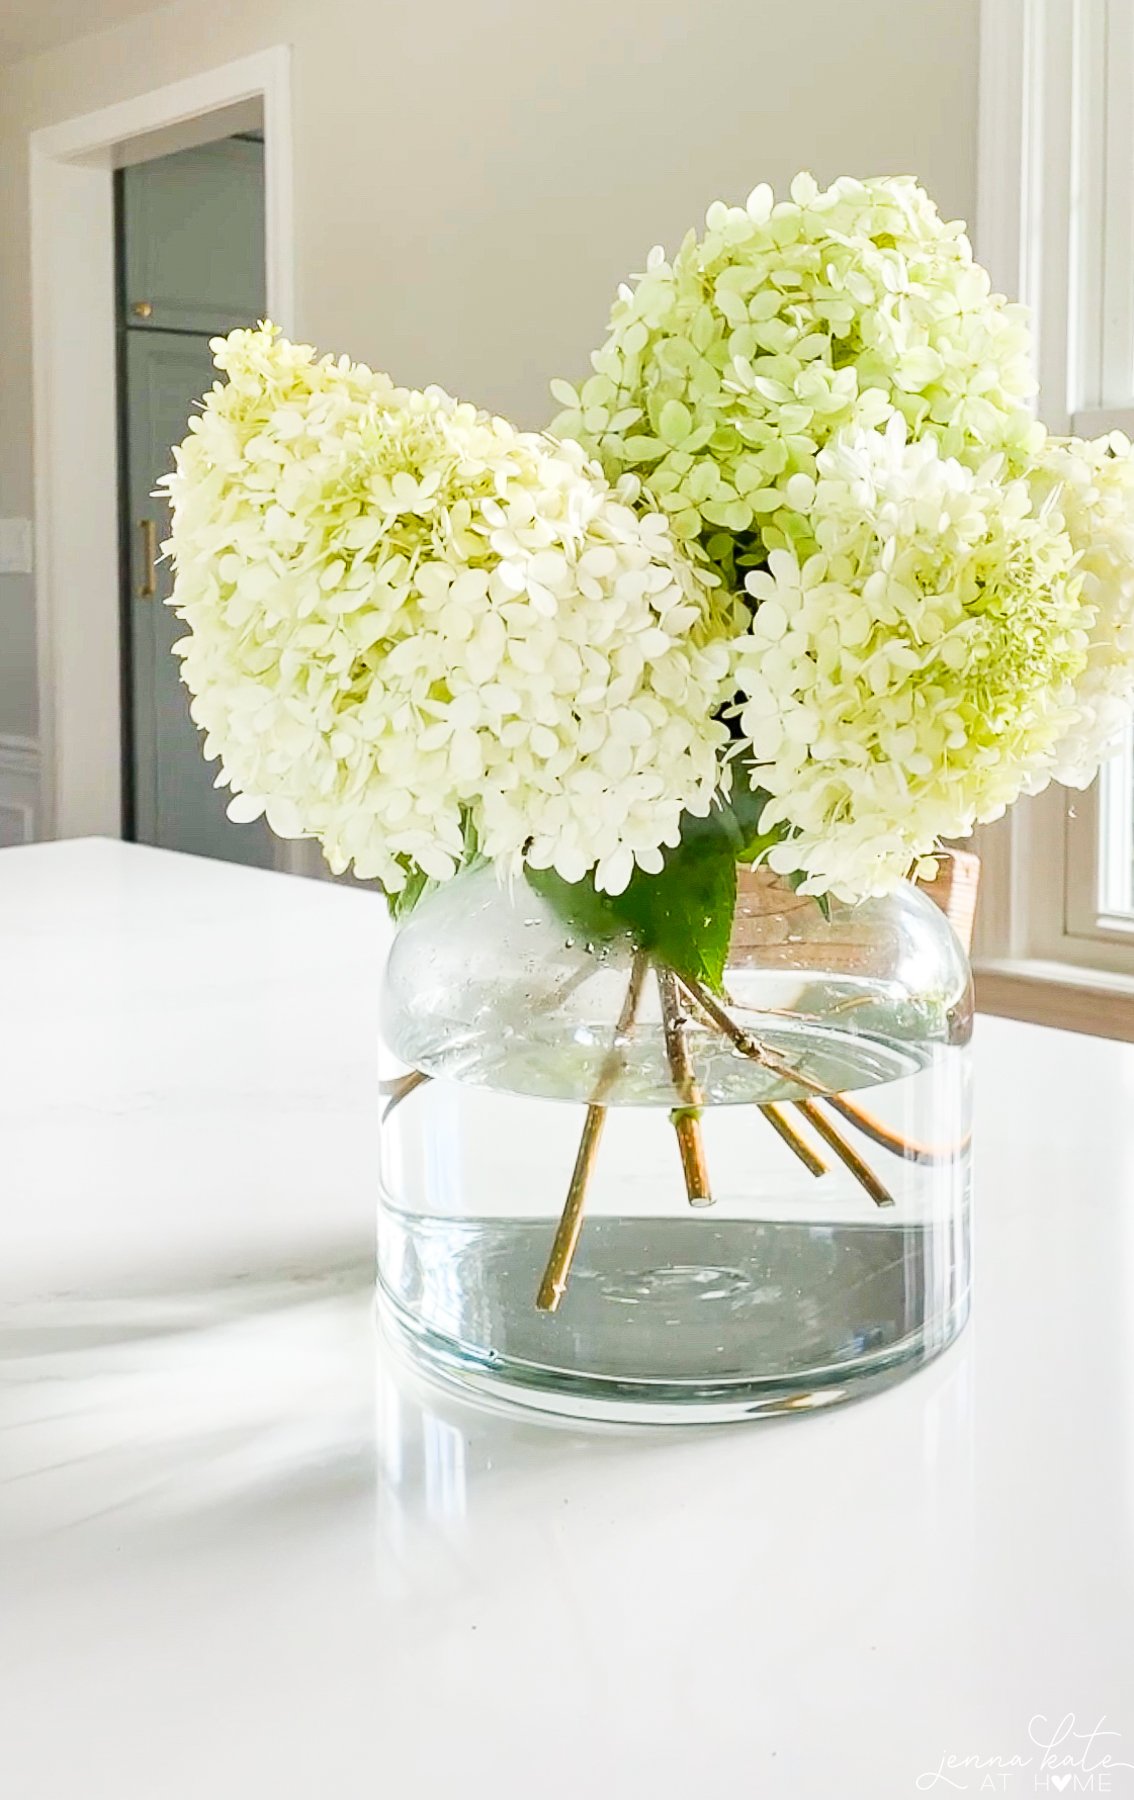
{"points": [[606, 1193]]}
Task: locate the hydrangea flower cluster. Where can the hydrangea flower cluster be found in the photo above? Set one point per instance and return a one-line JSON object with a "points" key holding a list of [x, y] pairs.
{"points": [[905, 675], [829, 403], [726, 371], [1090, 488], [412, 629], [840, 572]]}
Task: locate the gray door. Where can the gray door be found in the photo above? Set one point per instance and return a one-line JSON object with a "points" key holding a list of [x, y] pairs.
{"points": [[191, 252]]}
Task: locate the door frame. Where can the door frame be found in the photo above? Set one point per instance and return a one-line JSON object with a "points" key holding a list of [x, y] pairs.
{"points": [[77, 549]]}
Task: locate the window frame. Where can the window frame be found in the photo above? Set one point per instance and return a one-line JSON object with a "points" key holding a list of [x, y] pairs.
{"points": [[1052, 943]]}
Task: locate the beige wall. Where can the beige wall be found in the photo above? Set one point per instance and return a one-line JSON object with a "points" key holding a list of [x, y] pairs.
{"points": [[473, 177]]}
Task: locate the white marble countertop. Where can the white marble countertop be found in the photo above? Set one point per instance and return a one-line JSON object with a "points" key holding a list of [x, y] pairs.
{"points": [[243, 1558]]}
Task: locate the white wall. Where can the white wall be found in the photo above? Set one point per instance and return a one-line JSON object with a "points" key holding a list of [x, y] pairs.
{"points": [[473, 177]]}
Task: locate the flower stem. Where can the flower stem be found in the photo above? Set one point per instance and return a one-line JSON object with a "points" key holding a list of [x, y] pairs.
{"points": [[400, 1088], [778, 1065], [780, 1122], [747, 1044], [554, 1283], [881, 1134], [846, 1154], [686, 1118]]}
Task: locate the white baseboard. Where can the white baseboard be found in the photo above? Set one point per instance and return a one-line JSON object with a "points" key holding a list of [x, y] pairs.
{"points": [[19, 789]]}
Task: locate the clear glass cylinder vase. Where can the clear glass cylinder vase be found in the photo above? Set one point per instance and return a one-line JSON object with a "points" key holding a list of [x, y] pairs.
{"points": [[608, 1194]]}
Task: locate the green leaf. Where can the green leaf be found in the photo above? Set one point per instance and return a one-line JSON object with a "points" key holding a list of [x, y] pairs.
{"points": [[746, 804], [758, 845], [682, 916], [404, 901], [419, 884], [590, 917]]}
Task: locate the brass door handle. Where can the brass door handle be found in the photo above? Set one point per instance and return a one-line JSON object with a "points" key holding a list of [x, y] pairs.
{"points": [[147, 587]]}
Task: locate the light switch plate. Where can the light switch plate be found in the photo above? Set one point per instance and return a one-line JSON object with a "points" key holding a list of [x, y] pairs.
{"points": [[15, 547]]}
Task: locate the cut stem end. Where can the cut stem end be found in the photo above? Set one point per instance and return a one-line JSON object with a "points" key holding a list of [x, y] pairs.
{"points": [[686, 1118]]}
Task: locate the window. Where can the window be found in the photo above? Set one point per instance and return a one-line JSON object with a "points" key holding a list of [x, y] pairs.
{"points": [[1055, 225]]}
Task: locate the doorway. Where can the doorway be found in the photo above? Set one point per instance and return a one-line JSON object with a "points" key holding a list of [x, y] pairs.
{"points": [[78, 497], [189, 238]]}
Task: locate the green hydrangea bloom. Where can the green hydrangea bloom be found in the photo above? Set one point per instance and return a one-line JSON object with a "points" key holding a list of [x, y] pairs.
{"points": [[726, 371]]}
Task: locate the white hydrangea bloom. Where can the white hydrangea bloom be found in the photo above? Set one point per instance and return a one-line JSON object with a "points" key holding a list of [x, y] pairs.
{"points": [[406, 618], [726, 371], [903, 679], [1090, 487]]}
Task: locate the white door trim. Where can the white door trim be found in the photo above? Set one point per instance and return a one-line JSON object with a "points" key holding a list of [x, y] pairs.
{"points": [[75, 451]]}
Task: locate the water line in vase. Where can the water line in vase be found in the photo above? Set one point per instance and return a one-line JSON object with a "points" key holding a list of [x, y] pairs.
{"points": [[686, 1118]]}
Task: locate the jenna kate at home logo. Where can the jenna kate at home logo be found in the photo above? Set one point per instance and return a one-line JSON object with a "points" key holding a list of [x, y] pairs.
{"points": [[1061, 1757]]}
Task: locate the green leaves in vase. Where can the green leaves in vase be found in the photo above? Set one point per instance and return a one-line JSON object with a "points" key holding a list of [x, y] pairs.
{"points": [[683, 916]]}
